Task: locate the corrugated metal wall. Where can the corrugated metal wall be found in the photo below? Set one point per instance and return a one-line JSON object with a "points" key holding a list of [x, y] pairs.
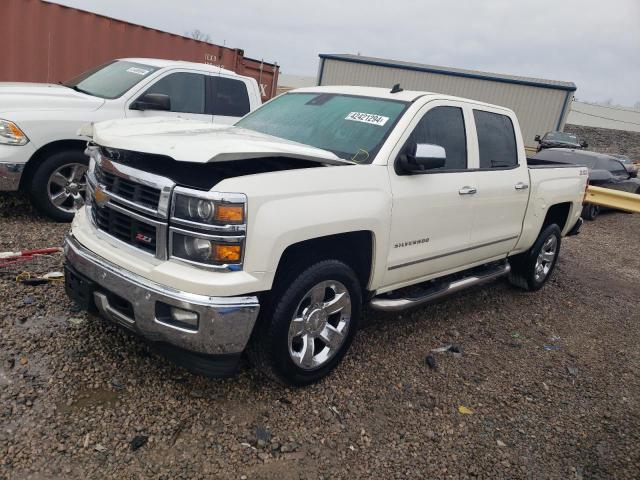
{"points": [[538, 109], [45, 42]]}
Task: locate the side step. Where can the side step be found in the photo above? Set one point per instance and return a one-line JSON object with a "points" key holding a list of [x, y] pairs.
{"points": [[478, 277]]}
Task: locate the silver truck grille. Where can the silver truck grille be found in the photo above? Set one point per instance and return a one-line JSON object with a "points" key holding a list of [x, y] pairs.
{"points": [[129, 205]]}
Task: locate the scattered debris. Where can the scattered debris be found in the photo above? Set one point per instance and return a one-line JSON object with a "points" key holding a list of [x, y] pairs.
{"points": [[85, 444], [500, 443], [23, 360], [552, 347], [431, 361], [28, 300], [100, 448], [446, 348], [335, 411], [464, 410], [76, 320], [554, 338], [285, 400], [117, 384], [138, 441], [572, 371], [515, 335]]}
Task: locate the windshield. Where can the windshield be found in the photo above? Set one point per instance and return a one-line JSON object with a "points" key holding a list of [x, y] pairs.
{"points": [[352, 127], [110, 80], [561, 137]]}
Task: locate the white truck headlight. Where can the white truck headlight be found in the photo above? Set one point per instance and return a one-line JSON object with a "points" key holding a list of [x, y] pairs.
{"points": [[208, 211], [10, 134], [205, 249]]}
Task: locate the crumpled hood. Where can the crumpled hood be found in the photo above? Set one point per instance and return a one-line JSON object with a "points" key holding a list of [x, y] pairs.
{"points": [[43, 97], [194, 141]]}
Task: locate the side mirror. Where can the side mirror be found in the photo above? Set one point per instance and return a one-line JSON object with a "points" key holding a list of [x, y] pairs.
{"points": [[633, 174], [537, 138], [152, 101], [584, 144], [425, 156]]}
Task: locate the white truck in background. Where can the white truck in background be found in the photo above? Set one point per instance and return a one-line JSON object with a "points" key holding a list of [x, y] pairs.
{"points": [[272, 235], [40, 151]]}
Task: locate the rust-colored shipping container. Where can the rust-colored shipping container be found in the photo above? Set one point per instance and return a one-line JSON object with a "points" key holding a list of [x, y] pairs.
{"points": [[46, 42]]}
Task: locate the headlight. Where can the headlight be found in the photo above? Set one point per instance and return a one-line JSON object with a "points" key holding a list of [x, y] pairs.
{"points": [[204, 210], [206, 249], [10, 134]]}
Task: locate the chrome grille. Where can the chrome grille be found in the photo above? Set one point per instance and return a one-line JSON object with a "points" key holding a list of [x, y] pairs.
{"points": [[125, 228], [129, 190]]}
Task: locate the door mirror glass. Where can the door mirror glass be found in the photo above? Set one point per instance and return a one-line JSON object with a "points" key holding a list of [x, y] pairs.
{"points": [[152, 101], [425, 156]]}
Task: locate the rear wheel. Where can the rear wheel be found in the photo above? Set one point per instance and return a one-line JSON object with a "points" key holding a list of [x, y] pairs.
{"points": [[309, 325], [590, 211], [531, 270], [58, 185]]}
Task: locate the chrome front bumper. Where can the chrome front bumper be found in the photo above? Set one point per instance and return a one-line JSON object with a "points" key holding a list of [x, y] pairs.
{"points": [[10, 174], [224, 323]]}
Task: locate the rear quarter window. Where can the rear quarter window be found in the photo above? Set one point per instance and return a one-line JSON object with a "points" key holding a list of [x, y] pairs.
{"points": [[230, 97], [496, 140]]}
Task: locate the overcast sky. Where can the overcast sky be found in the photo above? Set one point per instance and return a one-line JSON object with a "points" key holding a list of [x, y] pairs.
{"points": [[594, 43]]}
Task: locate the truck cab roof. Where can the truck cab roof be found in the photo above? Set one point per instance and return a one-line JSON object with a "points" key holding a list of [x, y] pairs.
{"points": [[162, 63]]}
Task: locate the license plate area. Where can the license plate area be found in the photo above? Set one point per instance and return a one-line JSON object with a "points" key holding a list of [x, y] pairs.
{"points": [[79, 288]]}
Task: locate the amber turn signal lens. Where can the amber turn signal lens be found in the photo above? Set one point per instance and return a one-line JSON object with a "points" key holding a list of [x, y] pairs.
{"points": [[226, 253], [229, 213]]}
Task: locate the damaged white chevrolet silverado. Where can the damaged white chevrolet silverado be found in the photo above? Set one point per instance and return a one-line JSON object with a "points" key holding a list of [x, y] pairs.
{"points": [[271, 236]]}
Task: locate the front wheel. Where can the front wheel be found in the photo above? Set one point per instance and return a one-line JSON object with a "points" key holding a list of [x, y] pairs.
{"points": [[58, 185], [531, 270], [309, 325]]}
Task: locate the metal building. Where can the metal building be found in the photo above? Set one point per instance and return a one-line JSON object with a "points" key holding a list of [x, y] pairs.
{"points": [[541, 105], [47, 42]]}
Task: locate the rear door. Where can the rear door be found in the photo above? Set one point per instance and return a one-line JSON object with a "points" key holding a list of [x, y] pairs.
{"points": [[433, 211], [502, 181], [229, 99], [187, 91]]}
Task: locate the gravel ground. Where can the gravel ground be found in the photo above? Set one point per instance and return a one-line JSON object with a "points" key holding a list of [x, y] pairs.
{"points": [[81, 399]]}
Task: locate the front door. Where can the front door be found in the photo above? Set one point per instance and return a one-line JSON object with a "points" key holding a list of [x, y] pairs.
{"points": [[433, 211], [187, 92]]}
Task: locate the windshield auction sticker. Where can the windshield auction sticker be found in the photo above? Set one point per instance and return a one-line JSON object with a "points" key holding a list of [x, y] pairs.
{"points": [[367, 118], [137, 71]]}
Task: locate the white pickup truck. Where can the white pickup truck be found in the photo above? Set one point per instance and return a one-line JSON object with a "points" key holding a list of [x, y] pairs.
{"points": [[272, 235], [40, 152]]}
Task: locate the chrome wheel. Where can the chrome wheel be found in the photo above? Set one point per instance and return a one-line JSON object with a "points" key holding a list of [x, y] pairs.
{"points": [[546, 257], [66, 187], [319, 325]]}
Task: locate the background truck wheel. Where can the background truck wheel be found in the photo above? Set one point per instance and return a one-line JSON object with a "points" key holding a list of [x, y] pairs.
{"points": [[531, 270], [590, 212], [58, 185], [309, 323]]}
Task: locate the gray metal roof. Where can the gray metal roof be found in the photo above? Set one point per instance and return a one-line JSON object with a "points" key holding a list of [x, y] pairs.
{"points": [[459, 72]]}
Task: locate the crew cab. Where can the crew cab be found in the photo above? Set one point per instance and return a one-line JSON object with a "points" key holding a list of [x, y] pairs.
{"points": [[271, 236], [40, 152]]}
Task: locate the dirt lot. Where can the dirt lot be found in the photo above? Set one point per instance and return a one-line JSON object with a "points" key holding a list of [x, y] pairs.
{"points": [[77, 395]]}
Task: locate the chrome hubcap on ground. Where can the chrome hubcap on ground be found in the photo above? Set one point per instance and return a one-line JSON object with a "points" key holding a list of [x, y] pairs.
{"points": [[545, 259], [67, 186], [319, 325]]}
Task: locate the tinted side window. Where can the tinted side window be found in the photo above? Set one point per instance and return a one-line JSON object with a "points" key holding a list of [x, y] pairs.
{"points": [[614, 166], [186, 91], [496, 140], [230, 97], [444, 126]]}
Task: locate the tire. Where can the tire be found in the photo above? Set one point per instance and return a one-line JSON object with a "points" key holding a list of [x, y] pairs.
{"points": [[289, 344], [590, 211], [57, 187], [526, 271]]}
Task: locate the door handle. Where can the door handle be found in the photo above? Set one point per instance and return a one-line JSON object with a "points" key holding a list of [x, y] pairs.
{"points": [[521, 186], [466, 190]]}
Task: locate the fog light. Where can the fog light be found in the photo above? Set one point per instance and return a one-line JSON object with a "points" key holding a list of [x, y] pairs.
{"points": [[176, 317]]}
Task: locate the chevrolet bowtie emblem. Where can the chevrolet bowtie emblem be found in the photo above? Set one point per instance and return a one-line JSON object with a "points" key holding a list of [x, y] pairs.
{"points": [[101, 196]]}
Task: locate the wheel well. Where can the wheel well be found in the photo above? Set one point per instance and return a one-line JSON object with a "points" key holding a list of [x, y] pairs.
{"points": [[353, 248], [43, 153], [557, 214]]}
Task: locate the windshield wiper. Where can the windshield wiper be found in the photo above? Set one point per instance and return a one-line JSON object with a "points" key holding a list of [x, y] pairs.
{"points": [[76, 88]]}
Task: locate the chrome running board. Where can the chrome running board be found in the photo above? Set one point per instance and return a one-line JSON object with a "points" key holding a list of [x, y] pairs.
{"points": [[391, 304]]}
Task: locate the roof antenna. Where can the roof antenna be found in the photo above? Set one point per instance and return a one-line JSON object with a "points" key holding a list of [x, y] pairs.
{"points": [[396, 88]]}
